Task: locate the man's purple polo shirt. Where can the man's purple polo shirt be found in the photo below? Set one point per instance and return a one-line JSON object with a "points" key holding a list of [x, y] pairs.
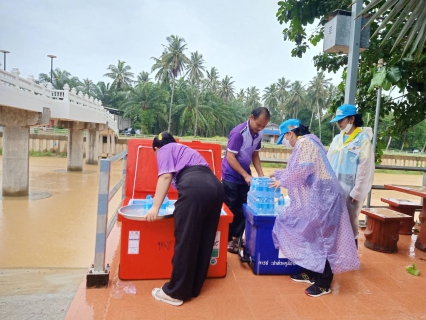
{"points": [[242, 143]]}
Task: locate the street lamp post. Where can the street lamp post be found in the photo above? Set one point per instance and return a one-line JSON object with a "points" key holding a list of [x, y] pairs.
{"points": [[51, 56], [4, 53]]}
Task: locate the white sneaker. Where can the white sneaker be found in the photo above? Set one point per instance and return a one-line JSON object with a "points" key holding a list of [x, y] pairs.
{"points": [[160, 295]]}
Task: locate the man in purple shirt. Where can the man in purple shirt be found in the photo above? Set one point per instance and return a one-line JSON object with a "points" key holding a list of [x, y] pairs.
{"points": [[243, 148]]}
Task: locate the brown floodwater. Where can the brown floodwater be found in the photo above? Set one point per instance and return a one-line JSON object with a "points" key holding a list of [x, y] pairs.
{"points": [[59, 231]]}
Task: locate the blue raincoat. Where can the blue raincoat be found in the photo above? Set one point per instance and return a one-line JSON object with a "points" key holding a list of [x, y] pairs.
{"points": [[315, 226]]}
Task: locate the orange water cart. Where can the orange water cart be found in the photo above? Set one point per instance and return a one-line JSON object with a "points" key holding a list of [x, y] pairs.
{"points": [[147, 248]]}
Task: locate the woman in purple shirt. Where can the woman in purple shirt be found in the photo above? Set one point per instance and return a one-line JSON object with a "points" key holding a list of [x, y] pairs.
{"points": [[197, 213]]}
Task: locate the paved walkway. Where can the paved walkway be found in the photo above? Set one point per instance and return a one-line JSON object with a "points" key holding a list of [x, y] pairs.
{"points": [[381, 289]]}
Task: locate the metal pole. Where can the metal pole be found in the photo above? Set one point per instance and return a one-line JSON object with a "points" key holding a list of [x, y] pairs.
{"points": [[4, 61], [353, 53], [102, 221], [51, 70]]}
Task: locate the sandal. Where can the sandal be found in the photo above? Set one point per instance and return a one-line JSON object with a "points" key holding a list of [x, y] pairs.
{"points": [[233, 246]]}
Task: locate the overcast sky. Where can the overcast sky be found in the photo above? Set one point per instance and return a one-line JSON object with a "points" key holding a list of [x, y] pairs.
{"points": [[241, 38]]}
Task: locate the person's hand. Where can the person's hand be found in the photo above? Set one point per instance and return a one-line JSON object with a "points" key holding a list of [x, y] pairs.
{"points": [[248, 179], [152, 214], [272, 175], [275, 184], [352, 200]]}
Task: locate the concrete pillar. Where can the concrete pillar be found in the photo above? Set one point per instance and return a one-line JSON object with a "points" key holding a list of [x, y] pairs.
{"points": [[75, 149], [15, 161], [92, 141], [108, 148], [113, 144]]}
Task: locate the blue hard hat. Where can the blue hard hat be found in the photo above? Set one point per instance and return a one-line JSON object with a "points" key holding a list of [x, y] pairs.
{"points": [[344, 111], [287, 126]]}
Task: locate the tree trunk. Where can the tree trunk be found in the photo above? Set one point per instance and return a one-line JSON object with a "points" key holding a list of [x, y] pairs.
{"points": [[196, 112], [389, 142], [403, 141], [312, 117], [170, 109], [334, 125], [424, 148], [319, 119]]}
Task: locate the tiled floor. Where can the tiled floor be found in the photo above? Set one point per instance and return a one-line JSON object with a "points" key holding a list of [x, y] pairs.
{"points": [[381, 289]]}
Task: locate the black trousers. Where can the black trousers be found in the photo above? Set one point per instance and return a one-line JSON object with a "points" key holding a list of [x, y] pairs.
{"points": [[235, 197], [197, 213], [322, 279]]}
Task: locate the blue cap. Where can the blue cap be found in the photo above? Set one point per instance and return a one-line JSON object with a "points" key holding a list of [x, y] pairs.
{"points": [[344, 111], [287, 126]]}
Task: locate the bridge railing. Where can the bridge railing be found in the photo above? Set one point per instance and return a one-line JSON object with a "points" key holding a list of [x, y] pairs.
{"points": [[47, 91]]}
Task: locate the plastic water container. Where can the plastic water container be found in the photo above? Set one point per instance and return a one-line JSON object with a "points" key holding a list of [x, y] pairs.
{"points": [[148, 202]]}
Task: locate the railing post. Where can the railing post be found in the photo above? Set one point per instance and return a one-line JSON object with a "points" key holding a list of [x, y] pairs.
{"points": [[123, 189], [98, 275]]}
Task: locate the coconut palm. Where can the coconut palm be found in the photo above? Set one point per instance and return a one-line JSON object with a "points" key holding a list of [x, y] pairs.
{"points": [[108, 95], [409, 13], [227, 89], [87, 87], [175, 60], [241, 96], [282, 86], [143, 77], [195, 73], [253, 99], [147, 97], [213, 82], [318, 91], [120, 74], [296, 99], [59, 79], [163, 74]]}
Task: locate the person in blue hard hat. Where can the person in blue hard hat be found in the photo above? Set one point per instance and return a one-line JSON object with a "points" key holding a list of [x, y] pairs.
{"points": [[314, 231], [352, 159]]}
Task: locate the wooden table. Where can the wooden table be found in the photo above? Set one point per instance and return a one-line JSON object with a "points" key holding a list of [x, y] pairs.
{"points": [[420, 192]]}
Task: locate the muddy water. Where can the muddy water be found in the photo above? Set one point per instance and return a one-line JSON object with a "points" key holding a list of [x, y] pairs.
{"points": [[59, 231]]}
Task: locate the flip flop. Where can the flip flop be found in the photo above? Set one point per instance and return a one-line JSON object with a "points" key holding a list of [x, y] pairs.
{"points": [[160, 295]]}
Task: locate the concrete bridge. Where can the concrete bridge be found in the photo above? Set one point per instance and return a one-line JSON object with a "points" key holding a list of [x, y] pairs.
{"points": [[24, 103]]}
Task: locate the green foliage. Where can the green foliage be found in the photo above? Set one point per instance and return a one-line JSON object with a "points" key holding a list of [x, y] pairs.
{"points": [[406, 75], [41, 154]]}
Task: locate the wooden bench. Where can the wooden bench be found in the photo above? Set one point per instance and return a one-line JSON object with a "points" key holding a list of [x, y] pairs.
{"points": [[406, 207], [382, 229]]}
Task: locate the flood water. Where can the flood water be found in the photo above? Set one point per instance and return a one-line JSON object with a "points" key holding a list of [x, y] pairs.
{"points": [[59, 231]]}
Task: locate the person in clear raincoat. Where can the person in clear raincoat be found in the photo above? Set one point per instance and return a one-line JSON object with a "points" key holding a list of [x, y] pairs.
{"points": [[352, 159], [314, 231]]}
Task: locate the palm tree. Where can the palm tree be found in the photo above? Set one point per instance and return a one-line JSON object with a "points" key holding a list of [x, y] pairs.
{"points": [[241, 96], [108, 95], [410, 14], [253, 99], [195, 72], [213, 82], [282, 86], [296, 99], [163, 74], [227, 89], [318, 92], [271, 101], [143, 77], [59, 79], [147, 97], [121, 74], [87, 87], [175, 60]]}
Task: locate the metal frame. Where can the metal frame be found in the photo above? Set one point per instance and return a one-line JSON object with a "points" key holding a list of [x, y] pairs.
{"points": [[98, 274]]}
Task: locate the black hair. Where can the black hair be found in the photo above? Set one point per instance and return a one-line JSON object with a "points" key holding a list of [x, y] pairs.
{"points": [[358, 120], [166, 138], [301, 131], [259, 111]]}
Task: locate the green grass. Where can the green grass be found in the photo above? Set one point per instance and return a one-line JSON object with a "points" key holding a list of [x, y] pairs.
{"points": [[41, 154], [1, 151], [413, 173]]}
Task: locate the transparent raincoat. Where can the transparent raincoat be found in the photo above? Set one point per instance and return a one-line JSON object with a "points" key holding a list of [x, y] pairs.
{"points": [[315, 226], [353, 163]]}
